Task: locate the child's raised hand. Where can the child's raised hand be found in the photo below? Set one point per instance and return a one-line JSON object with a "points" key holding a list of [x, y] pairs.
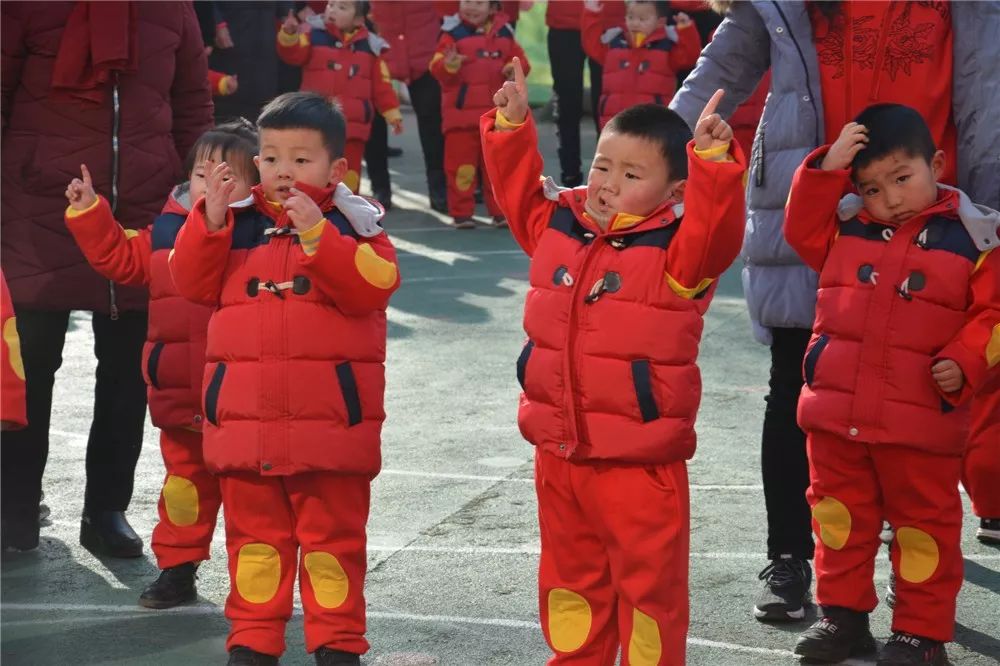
{"points": [[853, 138], [80, 192], [682, 20], [453, 59], [948, 375], [512, 98], [219, 187], [712, 131], [397, 126], [594, 6], [302, 210]]}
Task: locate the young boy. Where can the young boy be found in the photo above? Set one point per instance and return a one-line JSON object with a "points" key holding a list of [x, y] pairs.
{"points": [[174, 353], [301, 274], [641, 59], [906, 329], [622, 272], [342, 58], [472, 60]]}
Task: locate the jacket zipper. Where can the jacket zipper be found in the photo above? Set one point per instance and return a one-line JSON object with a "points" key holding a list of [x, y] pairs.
{"points": [[115, 155], [805, 67], [579, 289]]}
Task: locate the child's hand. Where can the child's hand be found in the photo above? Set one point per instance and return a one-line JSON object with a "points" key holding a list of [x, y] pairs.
{"points": [[222, 37], [397, 126], [232, 84], [712, 131], [291, 24], [512, 98], [594, 6], [852, 139], [948, 375], [302, 211], [682, 20], [453, 59], [219, 187], [80, 193]]}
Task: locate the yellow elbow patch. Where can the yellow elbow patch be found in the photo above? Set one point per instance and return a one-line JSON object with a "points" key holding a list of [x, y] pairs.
{"points": [[644, 648], [918, 554], [180, 498], [13, 342], [570, 619], [329, 580], [834, 522], [465, 177], [374, 269], [687, 292], [993, 347], [258, 572]]}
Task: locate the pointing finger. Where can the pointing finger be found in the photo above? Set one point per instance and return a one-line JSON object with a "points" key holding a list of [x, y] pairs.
{"points": [[519, 75], [712, 103], [86, 175]]}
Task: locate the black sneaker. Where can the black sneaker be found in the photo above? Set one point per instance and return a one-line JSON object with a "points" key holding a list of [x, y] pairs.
{"points": [[903, 648], [989, 531], [574, 180], [174, 587], [498, 222], [393, 151], [786, 590], [890, 591], [244, 656], [329, 657], [840, 633]]}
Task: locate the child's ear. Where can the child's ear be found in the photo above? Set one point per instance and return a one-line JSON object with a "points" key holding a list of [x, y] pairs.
{"points": [[338, 169], [937, 164], [676, 191], [256, 161]]}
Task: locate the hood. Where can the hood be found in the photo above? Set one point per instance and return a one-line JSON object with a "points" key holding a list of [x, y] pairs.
{"points": [[179, 201]]}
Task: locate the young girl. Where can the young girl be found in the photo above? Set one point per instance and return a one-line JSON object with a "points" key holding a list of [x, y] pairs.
{"points": [[341, 57], [174, 354]]}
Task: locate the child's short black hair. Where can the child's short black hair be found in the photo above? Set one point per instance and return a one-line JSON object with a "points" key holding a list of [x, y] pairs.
{"points": [[306, 110], [892, 128], [662, 6], [661, 126], [236, 142]]}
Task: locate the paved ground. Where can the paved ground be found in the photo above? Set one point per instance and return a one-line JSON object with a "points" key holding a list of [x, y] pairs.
{"points": [[453, 532]]}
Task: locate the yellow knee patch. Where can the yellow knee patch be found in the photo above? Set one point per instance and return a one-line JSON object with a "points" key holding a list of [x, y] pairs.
{"points": [[834, 522], [13, 343], [258, 572], [644, 648], [328, 578], [352, 179], [465, 177], [377, 271], [180, 497], [569, 619], [918, 554]]}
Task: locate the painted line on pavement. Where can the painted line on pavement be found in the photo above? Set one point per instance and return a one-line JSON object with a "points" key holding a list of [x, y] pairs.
{"points": [[496, 479]]}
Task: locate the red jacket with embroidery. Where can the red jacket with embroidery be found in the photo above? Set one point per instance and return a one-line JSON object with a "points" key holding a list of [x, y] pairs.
{"points": [[466, 94], [892, 301], [295, 375], [637, 73], [346, 67], [13, 409], [614, 318], [173, 358]]}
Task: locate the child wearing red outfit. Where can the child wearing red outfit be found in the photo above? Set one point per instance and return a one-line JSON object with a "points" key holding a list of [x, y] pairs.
{"points": [[13, 409], [300, 273], [472, 59], [885, 404], [981, 467], [622, 273], [174, 353], [341, 58], [641, 59]]}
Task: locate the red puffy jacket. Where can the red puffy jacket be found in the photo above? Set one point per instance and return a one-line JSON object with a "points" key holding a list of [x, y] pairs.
{"points": [[566, 14], [295, 374], [162, 110], [347, 67], [892, 301], [614, 318], [13, 408], [466, 94], [411, 29], [637, 73], [173, 358]]}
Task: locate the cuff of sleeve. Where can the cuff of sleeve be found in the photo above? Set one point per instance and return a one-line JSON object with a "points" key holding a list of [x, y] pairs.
{"points": [[310, 237], [286, 39], [974, 372], [714, 154], [452, 68], [393, 116], [503, 122], [73, 212]]}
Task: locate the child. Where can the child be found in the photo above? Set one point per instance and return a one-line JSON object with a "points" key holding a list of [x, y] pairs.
{"points": [[981, 466], [301, 274], [907, 325], [472, 60], [622, 272], [641, 59], [341, 58], [174, 354], [13, 409]]}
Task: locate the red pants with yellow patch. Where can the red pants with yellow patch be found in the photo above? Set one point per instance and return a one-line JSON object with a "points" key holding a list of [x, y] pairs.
{"points": [[853, 487], [354, 151], [189, 501], [614, 564], [313, 521], [463, 164], [981, 473]]}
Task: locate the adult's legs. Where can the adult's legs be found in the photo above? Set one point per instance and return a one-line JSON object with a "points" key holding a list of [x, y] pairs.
{"points": [[596, 72], [567, 58], [377, 157], [425, 95]]}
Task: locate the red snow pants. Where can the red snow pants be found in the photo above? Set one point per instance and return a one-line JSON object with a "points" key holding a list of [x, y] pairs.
{"points": [[981, 473], [463, 164], [354, 151]]}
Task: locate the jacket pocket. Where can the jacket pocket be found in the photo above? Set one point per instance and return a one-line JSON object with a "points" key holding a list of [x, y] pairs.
{"points": [[642, 379], [153, 364], [349, 390], [212, 394], [812, 357], [522, 362], [462, 91]]}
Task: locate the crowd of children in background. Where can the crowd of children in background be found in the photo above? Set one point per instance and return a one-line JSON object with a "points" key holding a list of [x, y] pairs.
{"points": [[282, 425]]}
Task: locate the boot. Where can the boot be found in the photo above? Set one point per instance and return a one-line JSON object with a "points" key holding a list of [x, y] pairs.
{"points": [[174, 587], [244, 656], [108, 533], [384, 197], [840, 633], [329, 657]]}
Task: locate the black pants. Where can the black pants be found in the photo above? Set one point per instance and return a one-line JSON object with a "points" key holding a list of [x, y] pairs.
{"points": [[783, 459], [425, 95], [119, 413], [567, 58]]}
